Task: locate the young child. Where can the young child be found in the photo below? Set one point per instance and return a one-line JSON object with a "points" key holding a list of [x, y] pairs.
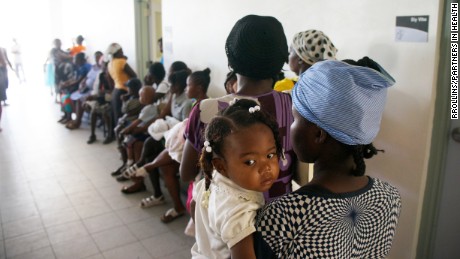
{"points": [[136, 132], [131, 108], [243, 146]]}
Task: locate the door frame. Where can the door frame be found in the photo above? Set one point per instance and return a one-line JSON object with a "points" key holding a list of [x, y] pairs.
{"points": [[439, 141], [142, 32]]}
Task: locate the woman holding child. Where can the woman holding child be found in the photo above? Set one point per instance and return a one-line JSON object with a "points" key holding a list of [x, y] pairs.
{"points": [[341, 213]]}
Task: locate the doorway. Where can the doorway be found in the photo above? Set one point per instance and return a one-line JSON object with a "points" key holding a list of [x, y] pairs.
{"points": [[440, 228], [148, 31]]}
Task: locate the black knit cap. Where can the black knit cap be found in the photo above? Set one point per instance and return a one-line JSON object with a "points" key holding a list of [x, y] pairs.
{"points": [[257, 47]]}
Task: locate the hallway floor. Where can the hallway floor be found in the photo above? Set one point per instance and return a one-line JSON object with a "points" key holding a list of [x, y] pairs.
{"points": [[57, 198]]}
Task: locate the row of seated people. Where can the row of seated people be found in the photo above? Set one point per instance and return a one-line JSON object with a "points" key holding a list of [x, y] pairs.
{"points": [[139, 112], [218, 134]]}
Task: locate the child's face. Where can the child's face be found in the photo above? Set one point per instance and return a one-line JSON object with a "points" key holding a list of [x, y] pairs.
{"points": [[250, 158], [146, 95], [193, 90], [231, 87]]}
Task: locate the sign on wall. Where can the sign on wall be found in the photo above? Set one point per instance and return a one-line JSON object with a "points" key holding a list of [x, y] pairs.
{"points": [[412, 28]]}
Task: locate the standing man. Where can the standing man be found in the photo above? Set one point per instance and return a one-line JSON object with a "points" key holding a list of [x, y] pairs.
{"points": [[16, 50], [4, 61], [79, 47]]}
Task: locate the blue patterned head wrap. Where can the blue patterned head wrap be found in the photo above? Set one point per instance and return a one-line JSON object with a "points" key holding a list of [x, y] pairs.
{"points": [[346, 101]]}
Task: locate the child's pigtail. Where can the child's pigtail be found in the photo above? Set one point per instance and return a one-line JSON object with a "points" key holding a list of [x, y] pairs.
{"points": [[206, 163]]}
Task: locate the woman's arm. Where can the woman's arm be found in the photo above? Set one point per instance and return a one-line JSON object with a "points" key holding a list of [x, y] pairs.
{"points": [[7, 60], [244, 249], [131, 126], [189, 164], [192, 209], [166, 109], [129, 71]]}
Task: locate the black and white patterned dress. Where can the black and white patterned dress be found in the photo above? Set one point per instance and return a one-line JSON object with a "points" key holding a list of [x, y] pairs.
{"points": [[315, 223]]}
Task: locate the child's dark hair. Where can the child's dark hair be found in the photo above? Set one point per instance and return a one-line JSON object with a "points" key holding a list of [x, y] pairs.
{"points": [[360, 152], [178, 66], [231, 119], [202, 78], [231, 76], [179, 78], [158, 71]]}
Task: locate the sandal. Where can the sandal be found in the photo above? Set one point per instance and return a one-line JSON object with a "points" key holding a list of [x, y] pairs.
{"points": [[122, 178], [119, 170], [71, 125], [171, 215], [130, 171], [138, 186], [152, 201]]}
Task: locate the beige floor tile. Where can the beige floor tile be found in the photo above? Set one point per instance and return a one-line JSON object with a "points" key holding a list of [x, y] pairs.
{"points": [[184, 254], [13, 201], [92, 209], [102, 222], [119, 202], [113, 238], [135, 250], [148, 228], [19, 212], [26, 243], [66, 232], [59, 217], [77, 248], [66, 195], [2, 250], [22, 227], [164, 244], [83, 198], [53, 204], [96, 256], [131, 215], [42, 253]]}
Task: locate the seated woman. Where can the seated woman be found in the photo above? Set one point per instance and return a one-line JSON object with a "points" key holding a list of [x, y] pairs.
{"points": [[65, 81], [197, 86], [150, 150], [306, 49], [179, 107], [168, 160], [341, 212], [98, 104], [84, 90]]}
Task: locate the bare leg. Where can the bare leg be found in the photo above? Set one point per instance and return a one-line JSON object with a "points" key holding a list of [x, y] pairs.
{"points": [[93, 123], [79, 112], [150, 150], [129, 153], [137, 150], [92, 137], [162, 159], [172, 183], [154, 176]]}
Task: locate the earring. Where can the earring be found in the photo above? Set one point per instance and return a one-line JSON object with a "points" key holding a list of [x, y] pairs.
{"points": [[300, 62]]}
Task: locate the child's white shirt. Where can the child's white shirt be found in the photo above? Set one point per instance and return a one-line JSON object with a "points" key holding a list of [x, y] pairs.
{"points": [[229, 218]]}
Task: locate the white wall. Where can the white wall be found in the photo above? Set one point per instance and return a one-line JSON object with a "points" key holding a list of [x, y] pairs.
{"points": [[101, 22], [195, 32], [36, 23]]}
